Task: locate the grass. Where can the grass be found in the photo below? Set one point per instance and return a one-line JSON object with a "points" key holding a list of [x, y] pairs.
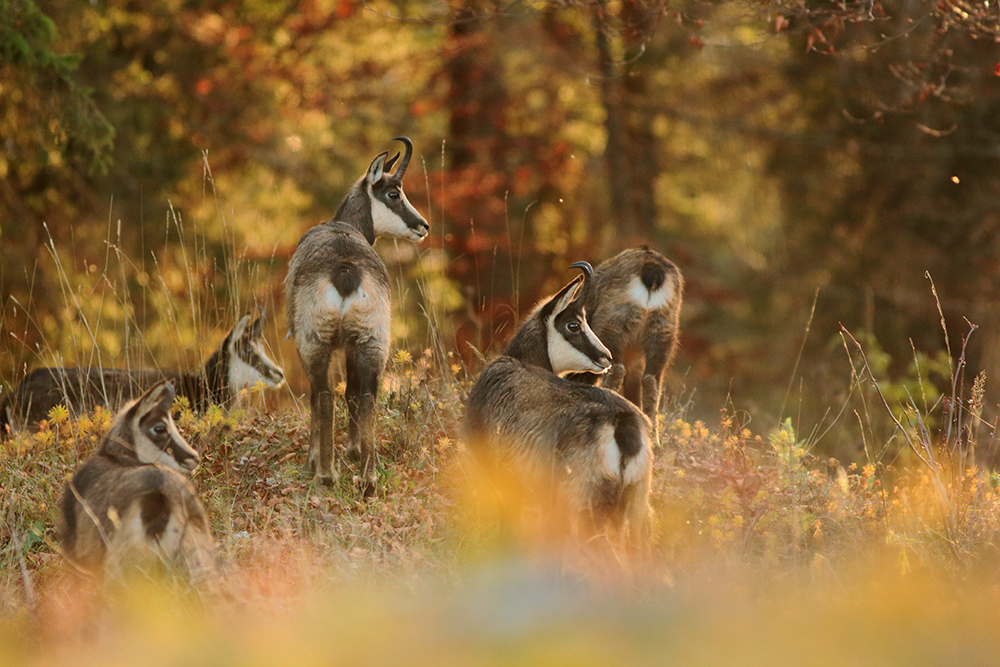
{"points": [[762, 553]]}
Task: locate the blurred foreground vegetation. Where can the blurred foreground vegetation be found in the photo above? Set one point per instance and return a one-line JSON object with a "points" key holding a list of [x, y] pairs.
{"points": [[763, 552]]}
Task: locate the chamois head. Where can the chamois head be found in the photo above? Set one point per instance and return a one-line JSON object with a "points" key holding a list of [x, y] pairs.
{"points": [[376, 205], [248, 362], [144, 432], [557, 337]]}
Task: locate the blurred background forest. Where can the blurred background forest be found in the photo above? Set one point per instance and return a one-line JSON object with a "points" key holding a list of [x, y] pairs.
{"points": [[806, 164]]}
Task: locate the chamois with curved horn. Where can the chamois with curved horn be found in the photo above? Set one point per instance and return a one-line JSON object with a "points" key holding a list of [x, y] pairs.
{"points": [[133, 501], [586, 447], [239, 363], [338, 297], [634, 305]]}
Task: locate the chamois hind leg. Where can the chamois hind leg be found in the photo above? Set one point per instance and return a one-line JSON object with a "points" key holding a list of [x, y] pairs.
{"points": [[657, 356], [321, 460], [365, 364]]}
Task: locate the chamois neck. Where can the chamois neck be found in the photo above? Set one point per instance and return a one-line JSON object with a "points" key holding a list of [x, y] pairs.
{"points": [[118, 448], [530, 346], [356, 211], [211, 387]]}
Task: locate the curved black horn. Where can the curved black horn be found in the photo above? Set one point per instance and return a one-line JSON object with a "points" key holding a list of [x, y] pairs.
{"points": [[406, 156], [588, 270], [588, 276]]}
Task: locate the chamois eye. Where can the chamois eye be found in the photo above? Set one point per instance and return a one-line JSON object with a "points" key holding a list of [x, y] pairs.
{"points": [[573, 327], [393, 194], [159, 429]]}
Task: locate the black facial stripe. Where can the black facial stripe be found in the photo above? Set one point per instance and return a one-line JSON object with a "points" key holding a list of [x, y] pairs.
{"points": [[249, 354], [177, 452], [399, 205], [579, 339]]}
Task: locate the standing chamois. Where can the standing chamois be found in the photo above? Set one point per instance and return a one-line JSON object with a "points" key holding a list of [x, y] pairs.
{"points": [[337, 295], [132, 501], [634, 305], [239, 363], [586, 446]]}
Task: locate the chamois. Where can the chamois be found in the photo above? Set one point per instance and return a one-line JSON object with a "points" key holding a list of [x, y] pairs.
{"points": [[337, 295], [634, 304], [586, 445], [239, 363], [133, 500]]}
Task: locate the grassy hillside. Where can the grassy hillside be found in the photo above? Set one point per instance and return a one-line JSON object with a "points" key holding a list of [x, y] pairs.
{"points": [[762, 553]]}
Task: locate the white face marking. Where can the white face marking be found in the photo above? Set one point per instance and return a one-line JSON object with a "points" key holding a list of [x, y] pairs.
{"points": [[387, 223], [639, 295], [147, 452], [244, 376], [565, 358]]}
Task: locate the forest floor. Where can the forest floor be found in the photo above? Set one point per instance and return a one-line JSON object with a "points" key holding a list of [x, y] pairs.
{"points": [[762, 553]]}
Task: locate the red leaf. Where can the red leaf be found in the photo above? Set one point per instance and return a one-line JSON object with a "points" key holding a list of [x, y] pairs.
{"points": [[997, 70], [697, 42]]}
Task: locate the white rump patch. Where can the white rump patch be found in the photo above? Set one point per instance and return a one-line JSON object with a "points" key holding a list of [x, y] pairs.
{"points": [[323, 311], [611, 457], [650, 300]]}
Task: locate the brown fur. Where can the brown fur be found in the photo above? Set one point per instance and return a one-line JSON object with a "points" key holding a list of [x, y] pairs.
{"points": [[132, 501], [338, 297], [642, 339], [585, 448], [80, 390]]}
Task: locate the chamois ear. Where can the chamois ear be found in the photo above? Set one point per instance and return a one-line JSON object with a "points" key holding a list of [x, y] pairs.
{"points": [[566, 295], [240, 327], [588, 277], [257, 328], [391, 161], [376, 168], [158, 399]]}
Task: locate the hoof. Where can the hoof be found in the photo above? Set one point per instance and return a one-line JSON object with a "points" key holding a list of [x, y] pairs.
{"points": [[325, 480], [367, 488]]}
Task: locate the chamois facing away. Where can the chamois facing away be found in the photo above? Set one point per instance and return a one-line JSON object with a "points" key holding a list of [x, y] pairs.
{"points": [[584, 446], [239, 363], [337, 295], [132, 501], [634, 305]]}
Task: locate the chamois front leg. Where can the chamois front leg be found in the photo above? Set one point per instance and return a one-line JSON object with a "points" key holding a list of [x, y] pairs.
{"points": [[365, 364]]}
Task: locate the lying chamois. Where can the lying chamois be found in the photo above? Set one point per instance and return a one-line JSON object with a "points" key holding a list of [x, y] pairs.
{"points": [[239, 363], [634, 305], [132, 501], [586, 446], [337, 295]]}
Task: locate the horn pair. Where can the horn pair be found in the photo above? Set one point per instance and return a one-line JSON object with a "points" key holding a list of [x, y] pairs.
{"points": [[406, 157]]}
